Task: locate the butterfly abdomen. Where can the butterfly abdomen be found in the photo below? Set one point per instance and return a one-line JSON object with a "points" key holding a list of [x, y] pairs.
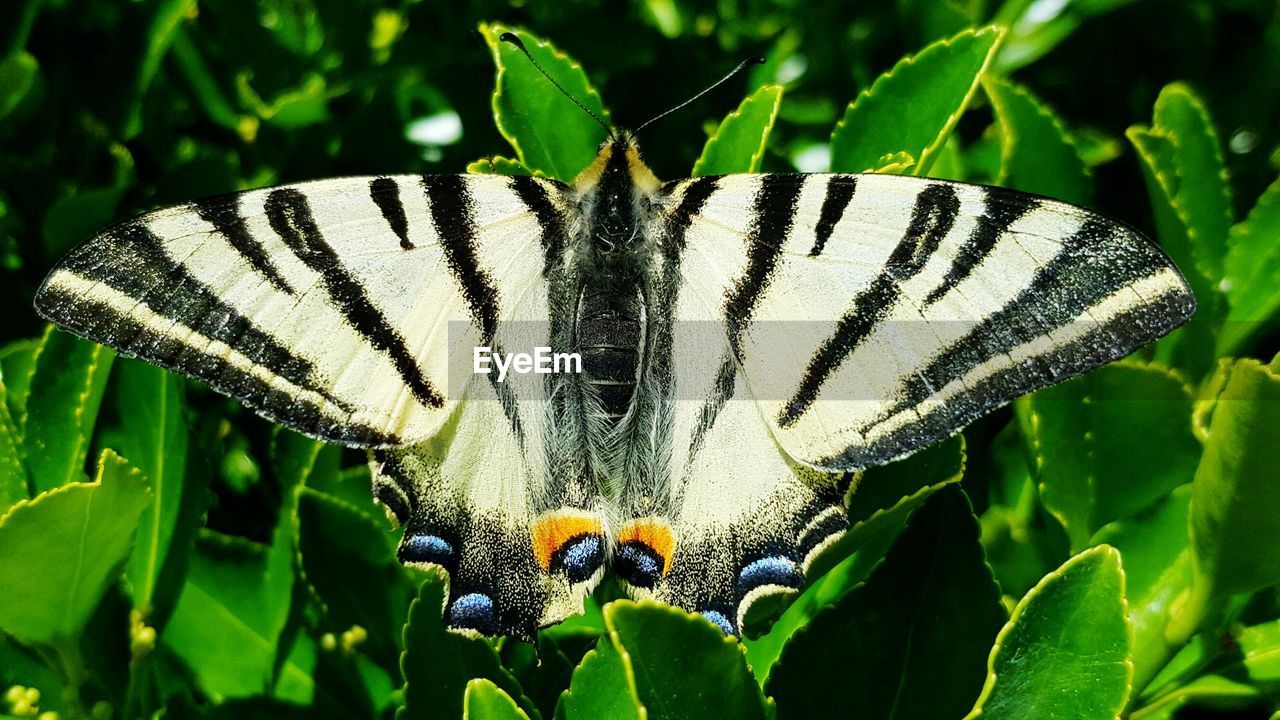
{"points": [[609, 338]]}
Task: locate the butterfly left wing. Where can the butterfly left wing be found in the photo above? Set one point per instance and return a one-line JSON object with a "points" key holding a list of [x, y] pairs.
{"points": [[347, 309], [862, 317]]}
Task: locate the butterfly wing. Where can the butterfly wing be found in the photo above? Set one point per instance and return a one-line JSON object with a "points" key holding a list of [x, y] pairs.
{"points": [[862, 318], [348, 309], [325, 306]]}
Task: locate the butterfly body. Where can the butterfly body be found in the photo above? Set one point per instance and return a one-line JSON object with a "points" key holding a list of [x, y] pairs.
{"points": [[748, 342]]}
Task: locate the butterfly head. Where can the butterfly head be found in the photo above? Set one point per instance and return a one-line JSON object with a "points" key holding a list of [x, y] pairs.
{"points": [[618, 168]]}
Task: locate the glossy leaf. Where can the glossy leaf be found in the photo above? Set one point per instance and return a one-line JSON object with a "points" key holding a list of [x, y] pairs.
{"points": [[1247, 672], [166, 17], [358, 579], [1038, 154], [1108, 444], [437, 664], [1186, 181], [1235, 509], [81, 534], [913, 107], [498, 165], [227, 623], [546, 131], [486, 701], [1155, 549], [66, 391], [1252, 273], [738, 144], [1064, 653], [153, 437], [13, 474], [879, 506], [912, 641], [711, 679], [603, 685]]}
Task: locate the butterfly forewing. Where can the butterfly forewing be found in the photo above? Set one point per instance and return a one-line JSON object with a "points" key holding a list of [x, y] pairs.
{"points": [[327, 306]]}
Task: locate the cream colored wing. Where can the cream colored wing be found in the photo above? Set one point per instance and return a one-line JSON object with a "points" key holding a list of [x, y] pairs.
{"points": [[825, 323], [339, 307]]}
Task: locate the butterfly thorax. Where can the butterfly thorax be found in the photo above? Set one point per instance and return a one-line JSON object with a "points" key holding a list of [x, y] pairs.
{"points": [[609, 317]]}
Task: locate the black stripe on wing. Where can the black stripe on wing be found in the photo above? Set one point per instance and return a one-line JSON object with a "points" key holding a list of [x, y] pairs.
{"points": [[137, 265], [1159, 315], [385, 193], [839, 193], [453, 214], [534, 195], [290, 216], [224, 214], [102, 323], [933, 216], [1001, 210], [772, 214]]}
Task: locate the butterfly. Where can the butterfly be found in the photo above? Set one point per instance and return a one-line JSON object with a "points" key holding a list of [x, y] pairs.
{"points": [[745, 344]]}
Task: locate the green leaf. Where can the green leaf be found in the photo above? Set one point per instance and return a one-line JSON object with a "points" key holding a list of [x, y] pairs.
{"points": [[1065, 651], [166, 18], [18, 73], [1235, 509], [498, 165], [1247, 672], [1251, 273], [1108, 444], [153, 436], [603, 685], [486, 701], [437, 664], [1038, 154], [66, 391], [738, 144], [18, 363], [711, 679], [1187, 183], [879, 506], [913, 107], [1037, 29], [1155, 549], [13, 474], [358, 579], [910, 642], [61, 550], [547, 132], [233, 608]]}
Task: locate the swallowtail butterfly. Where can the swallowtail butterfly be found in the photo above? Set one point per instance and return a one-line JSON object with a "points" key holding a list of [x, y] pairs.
{"points": [[747, 343]]}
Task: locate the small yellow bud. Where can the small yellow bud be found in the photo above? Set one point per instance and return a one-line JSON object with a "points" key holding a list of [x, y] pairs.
{"points": [[47, 715], [14, 694], [33, 696], [21, 708], [328, 642]]}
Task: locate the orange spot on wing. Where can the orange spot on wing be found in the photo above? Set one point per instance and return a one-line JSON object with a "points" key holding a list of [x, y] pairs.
{"points": [[653, 532], [552, 531]]}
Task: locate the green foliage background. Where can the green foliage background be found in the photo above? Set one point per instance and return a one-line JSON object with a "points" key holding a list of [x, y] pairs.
{"points": [[1109, 547]]}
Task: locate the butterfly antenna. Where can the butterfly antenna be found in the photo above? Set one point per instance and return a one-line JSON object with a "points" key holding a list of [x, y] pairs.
{"points": [[741, 66], [515, 40]]}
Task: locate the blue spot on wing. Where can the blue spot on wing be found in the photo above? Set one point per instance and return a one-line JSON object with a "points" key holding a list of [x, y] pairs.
{"points": [[582, 557], [424, 548], [718, 619], [637, 564], [772, 570], [474, 611]]}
